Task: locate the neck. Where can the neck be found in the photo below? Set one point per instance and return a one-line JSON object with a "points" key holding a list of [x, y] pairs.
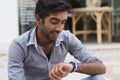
{"points": [[44, 43], [41, 40]]}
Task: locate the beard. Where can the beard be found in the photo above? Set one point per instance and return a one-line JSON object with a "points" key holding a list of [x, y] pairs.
{"points": [[51, 36]]}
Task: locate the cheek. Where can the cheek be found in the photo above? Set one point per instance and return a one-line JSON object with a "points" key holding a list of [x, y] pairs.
{"points": [[49, 26]]}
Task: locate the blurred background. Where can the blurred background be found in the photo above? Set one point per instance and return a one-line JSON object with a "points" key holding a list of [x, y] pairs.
{"points": [[17, 16]]}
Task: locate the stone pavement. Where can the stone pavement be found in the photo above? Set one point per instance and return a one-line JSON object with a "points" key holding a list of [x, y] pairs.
{"points": [[109, 53]]}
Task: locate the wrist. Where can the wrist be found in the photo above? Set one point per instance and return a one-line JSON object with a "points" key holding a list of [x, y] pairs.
{"points": [[74, 66]]}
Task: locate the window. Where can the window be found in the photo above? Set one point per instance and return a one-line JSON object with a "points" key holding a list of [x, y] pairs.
{"points": [[26, 15]]}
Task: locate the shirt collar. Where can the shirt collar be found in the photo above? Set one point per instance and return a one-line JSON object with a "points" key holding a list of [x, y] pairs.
{"points": [[32, 37], [33, 40], [58, 40]]}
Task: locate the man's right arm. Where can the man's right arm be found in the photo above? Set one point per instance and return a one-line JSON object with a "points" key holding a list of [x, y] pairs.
{"points": [[15, 62]]}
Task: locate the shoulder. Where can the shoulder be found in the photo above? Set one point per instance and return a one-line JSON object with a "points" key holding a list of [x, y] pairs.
{"points": [[66, 34], [19, 44], [26, 38], [22, 39], [69, 37]]}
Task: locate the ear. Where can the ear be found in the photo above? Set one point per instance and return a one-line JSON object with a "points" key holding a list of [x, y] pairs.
{"points": [[38, 19]]}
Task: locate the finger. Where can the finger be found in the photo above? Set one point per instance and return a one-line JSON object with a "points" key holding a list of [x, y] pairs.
{"points": [[56, 70], [60, 70], [53, 75]]}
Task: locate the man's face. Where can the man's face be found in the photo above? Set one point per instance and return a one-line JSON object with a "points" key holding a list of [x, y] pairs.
{"points": [[53, 25]]}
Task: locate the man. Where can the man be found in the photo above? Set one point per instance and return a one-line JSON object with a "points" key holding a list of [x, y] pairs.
{"points": [[39, 53]]}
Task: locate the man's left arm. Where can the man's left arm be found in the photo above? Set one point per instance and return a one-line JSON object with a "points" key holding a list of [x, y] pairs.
{"points": [[61, 70], [91, 68]]}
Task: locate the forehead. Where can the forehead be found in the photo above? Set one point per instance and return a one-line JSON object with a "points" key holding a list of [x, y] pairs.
{"points": [[58, 15]]}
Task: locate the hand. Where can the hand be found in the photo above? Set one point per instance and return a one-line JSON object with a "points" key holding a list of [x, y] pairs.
{"points": [[60, 70]]}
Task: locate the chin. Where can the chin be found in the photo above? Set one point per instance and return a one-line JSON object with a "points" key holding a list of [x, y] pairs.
{"points": [[52, 39]]}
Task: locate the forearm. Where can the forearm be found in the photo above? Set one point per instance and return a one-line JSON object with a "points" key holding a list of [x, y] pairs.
{"points": [[63, 69], [91, 68]]}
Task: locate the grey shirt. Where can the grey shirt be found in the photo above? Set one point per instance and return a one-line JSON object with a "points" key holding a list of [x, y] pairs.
{"points": [[27, 60]]}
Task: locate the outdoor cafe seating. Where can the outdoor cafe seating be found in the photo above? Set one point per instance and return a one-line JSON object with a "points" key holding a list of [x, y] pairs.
{"points": [[102, 17]]}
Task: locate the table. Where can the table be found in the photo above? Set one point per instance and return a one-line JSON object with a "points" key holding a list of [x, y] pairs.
{"points": [[101, 15]]}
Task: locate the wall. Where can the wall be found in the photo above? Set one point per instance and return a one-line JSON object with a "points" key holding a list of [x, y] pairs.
{"points": [[8, 23]]}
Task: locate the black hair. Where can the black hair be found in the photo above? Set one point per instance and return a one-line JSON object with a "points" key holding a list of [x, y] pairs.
{"points": [[46, 7]]}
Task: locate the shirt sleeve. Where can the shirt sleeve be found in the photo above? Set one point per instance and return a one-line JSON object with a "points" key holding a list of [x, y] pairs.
{"points": [[15, 62], [79, 51]]}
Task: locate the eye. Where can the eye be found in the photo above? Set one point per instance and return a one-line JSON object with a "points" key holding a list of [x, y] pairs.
{"points": [[53, 21]]}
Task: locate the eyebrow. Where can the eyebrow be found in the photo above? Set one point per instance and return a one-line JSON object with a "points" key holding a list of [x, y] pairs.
{"points": [[58, 19]]}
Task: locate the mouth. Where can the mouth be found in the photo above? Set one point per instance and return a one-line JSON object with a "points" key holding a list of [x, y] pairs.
{"points": [[55, 34]]}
